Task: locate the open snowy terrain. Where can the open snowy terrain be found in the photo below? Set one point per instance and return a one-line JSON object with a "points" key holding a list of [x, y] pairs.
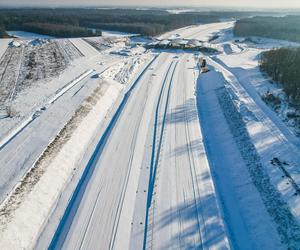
{"points": [[107, 145], [110, 33], [27, 35], [199, 32]]}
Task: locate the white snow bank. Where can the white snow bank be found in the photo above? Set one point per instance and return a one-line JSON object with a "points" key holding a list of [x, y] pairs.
{"points": [[3, 45], [247, 226], [124, 71], [28, 219], [271, 140]]}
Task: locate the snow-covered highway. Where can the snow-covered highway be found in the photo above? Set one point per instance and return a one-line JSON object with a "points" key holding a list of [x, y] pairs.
{"points": [[154, 154], [183, 210], [162, 115], [38, 140]]}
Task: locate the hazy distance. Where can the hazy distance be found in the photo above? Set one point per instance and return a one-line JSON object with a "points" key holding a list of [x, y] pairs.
{"points": [[157, 3]]}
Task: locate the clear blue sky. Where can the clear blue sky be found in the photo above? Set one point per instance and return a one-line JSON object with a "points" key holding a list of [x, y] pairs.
{"points": [[199, 3]]}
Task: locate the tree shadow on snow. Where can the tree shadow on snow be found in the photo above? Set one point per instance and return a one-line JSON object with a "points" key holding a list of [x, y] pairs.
{"points": [[194, 216], [186, 112]]}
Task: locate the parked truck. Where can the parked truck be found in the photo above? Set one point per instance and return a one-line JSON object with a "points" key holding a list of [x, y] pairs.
{"points": [[203, 65]]}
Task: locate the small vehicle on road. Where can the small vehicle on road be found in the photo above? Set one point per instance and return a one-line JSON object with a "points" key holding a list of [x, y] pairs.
{"points": [[203, 65]]}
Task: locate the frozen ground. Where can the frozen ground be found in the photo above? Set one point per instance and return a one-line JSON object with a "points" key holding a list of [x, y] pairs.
{"points": [[135, 149]]}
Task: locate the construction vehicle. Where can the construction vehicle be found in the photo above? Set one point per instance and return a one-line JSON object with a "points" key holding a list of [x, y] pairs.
{"points": [[203, 65]]}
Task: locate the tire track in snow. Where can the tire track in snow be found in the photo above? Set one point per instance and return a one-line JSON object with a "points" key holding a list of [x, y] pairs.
{"points": [[122, 197], [196, 192], [156, 153], [73, 205]]}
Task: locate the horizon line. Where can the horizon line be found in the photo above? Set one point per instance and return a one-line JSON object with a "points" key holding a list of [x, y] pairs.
{"points": [[161, 7]]}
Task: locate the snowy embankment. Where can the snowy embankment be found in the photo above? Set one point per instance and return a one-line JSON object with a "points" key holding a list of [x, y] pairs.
{"points": [[38, 75], [15, 131], [239, 199], [27, 219], [76, 203], [57, 165], [122, 71], [86, 49], [245, 67], [3, 45], [274, 172]]}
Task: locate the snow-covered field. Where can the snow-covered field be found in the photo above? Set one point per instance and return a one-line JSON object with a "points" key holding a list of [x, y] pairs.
{"points": [[199, 32], [27, 35], [129, 148], [116, 33]]}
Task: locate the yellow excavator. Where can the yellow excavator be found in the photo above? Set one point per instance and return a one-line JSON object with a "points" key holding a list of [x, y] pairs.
{"points": [[203, 65]]}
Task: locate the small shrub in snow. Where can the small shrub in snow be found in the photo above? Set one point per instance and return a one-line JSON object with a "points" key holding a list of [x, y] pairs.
{"points": [[11, 112], [271, 99]]}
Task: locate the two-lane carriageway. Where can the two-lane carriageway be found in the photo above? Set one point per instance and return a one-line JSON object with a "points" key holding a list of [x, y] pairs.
{"points": [[149, 184]]}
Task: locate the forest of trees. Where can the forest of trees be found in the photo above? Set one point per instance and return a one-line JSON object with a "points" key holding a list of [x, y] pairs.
{"points": [[283, 66], [77, 22], [284, 28], [3, 34], [43, 21], [59, 30]]}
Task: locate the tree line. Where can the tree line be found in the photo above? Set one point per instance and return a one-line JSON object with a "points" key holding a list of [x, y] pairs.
{"points": [[282, 65], [284, 28], [69, 22]]}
